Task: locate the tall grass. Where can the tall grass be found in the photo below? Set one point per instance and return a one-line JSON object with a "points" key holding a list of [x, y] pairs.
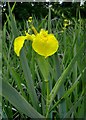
{"points": [[36, 87]]}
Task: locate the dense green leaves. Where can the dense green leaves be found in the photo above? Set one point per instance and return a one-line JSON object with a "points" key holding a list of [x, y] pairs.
{"points": [[36, 87]]}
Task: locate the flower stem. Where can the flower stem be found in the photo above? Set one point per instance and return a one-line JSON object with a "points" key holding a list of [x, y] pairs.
{"points": [[47, 97]]}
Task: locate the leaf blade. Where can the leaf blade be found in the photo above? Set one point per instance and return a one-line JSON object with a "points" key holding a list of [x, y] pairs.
{"points": [[18, 101]]}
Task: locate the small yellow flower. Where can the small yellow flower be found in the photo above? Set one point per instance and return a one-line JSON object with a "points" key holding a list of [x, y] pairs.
{"points": [[43, 43], [65, 20], [30, 19], [66, 23]]}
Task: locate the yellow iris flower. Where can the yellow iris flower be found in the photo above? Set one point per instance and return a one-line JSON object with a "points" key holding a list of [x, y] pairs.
{"points": [[43, 43]]}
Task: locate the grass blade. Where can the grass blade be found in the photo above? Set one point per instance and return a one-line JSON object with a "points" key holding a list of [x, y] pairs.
{"points": [[28, 78], [62, 106], [69, 91], [74, 107], [18, 101], [13, 23]]}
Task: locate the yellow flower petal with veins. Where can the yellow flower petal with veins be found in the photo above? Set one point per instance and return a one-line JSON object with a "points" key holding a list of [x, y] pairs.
{"points": [[45, 44], [18, 44]]}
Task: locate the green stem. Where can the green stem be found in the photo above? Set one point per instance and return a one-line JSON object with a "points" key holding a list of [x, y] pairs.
{"points": [[75, 66], [62, 106], [49, 20], [47, 97]]}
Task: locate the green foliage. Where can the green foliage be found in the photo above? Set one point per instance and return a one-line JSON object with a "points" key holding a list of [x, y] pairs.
{"points": [[36, 87]]}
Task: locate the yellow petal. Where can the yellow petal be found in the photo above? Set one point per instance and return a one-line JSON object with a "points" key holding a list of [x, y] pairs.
{"points": [[29, 37], [18, 44], [45, 44]]}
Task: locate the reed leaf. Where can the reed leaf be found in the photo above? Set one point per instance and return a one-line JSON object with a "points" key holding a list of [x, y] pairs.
{"points": [[29, 80], [18, 101], [69, 91]]}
